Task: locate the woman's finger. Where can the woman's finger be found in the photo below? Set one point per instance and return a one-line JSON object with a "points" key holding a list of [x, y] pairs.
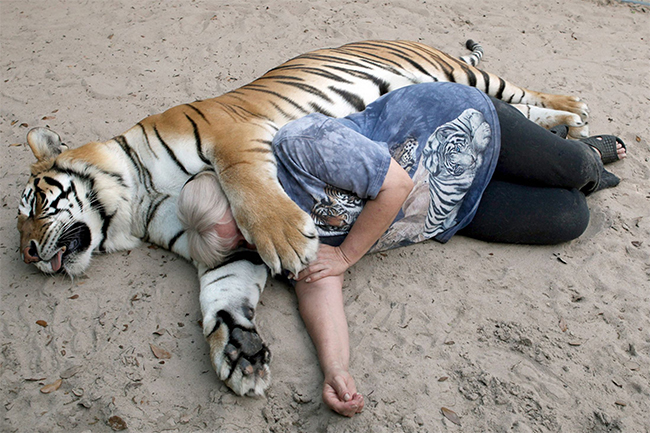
{"points": [[305, 272], [317, 276]]}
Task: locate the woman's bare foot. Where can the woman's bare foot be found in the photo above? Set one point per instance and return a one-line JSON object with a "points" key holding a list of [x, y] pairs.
{"points": [[340, 393]]}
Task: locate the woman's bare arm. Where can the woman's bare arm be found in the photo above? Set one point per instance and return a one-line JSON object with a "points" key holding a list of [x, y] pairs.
{"points": [[321, 308], [373, 221]]}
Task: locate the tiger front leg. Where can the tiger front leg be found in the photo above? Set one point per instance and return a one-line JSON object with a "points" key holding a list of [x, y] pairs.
{"points": [[229, 295], [284, 235]]}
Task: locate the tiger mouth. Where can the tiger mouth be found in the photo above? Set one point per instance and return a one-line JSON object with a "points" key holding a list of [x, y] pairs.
{"points": [[75, 239]]}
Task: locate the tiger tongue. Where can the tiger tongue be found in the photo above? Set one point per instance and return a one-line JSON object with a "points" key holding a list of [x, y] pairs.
{"points": [[56, 261]]}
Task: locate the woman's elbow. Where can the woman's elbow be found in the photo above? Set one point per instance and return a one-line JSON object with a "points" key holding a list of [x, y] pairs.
{"points": [[406, 184]]}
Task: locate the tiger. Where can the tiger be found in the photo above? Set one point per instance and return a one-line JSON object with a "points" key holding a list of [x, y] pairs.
{"points": [[336, 212], [451, 157], [404, 153], [109, 196]]}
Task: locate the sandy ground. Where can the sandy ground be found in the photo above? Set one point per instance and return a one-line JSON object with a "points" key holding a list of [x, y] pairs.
{"points": [[510, 338]]}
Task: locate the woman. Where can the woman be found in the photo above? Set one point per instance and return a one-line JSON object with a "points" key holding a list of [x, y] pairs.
{"points": [[426, 161]]}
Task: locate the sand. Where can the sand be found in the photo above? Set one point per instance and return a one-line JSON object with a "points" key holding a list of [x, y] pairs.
{"points": [[510, 338]]}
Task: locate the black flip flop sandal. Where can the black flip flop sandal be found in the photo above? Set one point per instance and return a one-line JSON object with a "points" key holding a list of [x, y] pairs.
{"points": [[606, 145], [560, 130]]}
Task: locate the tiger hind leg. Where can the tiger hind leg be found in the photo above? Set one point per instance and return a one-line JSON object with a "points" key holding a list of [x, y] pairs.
{"points": [[547, 110], [548, 118], [571, 104]]}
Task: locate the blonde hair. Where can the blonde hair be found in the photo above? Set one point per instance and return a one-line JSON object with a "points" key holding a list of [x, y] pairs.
{"points": [[202, 204]]}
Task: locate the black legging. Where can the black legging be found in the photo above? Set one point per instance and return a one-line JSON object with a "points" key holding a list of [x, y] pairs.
{"points": [[537, 193]]}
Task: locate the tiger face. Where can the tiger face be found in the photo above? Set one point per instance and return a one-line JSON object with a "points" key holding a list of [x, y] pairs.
{"points": [[55, 231], [64, 208], [336, 212], [455, 148]]}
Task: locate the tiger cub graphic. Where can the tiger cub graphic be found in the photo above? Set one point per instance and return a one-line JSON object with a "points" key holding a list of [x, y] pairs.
{"points": [[337, 211]]}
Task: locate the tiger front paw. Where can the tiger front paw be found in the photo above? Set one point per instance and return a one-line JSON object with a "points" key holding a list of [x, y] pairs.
{"points": [[286, 238], [239, 356]]}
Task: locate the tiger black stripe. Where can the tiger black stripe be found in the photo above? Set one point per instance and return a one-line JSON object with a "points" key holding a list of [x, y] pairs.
{"points": [[258, 150], [376, 60], [85, 177], [174, 238], [199, 112], [350, 98], [230, 110], [383, 85], [307, 88], [471, 77], [319, 109], [409, 51], [282, 112], [197, 138], [398, 50], [281, 77], [315, 71], [486, 80], [253, 115], [143, 173], [284, 98], [146, 140], [381, 65], [335, 59], [400, 54], [222, 277], [171, 154], [413, 52], [502, 86], [153, 209], [75, 194], [446, 68], [107, 219], [53, 182], [233, 108]]}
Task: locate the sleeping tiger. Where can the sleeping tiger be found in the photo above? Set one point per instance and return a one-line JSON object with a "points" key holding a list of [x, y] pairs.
{"points": [[110, 196]]}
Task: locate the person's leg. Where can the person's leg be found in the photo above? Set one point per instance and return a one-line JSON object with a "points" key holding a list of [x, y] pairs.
{"points": [[321, 307], [523, 214], [533, 155]]}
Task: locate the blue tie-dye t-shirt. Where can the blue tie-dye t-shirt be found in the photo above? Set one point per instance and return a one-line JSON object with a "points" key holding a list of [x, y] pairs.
{"points": [[445, 135]]}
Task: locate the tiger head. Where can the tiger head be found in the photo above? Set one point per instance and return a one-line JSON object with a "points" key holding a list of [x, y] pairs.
{"points": [[337, 211], [457, 147], [60, 216]]}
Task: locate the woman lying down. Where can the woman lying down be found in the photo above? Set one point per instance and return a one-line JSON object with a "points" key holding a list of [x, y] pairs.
{"points": [[423, 162]]}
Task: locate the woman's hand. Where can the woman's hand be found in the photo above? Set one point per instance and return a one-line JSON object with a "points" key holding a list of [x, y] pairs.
{"points": [[340, 393], [331, 261]]}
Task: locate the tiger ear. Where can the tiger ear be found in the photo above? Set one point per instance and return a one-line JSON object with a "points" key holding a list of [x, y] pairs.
{"points": [[45, 144]]}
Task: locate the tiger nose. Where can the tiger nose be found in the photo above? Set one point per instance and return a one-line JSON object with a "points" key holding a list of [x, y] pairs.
{"points": [[30, 253]]}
